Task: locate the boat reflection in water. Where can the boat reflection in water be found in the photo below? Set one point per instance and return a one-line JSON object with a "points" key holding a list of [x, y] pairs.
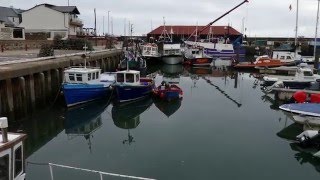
{"points": [[171, 73], [127, 116], [84, 120], [168, 108], [303, 155]]}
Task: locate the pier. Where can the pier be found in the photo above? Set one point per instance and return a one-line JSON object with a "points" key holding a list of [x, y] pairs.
{"points": [[29, 83]]}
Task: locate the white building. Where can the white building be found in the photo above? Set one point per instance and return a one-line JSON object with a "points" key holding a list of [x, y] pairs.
{"points": [[10, 19], [52, 20]]}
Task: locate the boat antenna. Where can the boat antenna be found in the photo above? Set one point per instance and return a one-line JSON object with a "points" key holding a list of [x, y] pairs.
{"points": [[296, 33], [85, 53], [315, 39]]}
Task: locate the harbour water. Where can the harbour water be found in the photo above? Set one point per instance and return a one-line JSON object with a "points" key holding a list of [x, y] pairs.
{"points": [[223, 128]]}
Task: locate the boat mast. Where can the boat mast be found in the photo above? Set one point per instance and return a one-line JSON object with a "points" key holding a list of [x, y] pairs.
{"points": [[296, 35], [85, 57], [316, 34]]}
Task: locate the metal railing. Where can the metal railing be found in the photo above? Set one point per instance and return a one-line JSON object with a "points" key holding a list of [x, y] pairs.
{"points": [[94, 171]]}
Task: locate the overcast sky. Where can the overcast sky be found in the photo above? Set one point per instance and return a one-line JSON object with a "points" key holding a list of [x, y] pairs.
{"points": [[260, 17]]}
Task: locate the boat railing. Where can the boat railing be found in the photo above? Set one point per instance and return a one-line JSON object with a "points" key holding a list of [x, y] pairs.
{"points": [[101, 173], [87, 67]]}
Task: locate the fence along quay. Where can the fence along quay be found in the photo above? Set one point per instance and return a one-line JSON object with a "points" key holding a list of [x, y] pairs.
{"points": [[30, 83]]}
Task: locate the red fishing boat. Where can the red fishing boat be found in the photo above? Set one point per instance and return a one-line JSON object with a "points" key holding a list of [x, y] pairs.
{"points": [[261, 61], [168, 91]]}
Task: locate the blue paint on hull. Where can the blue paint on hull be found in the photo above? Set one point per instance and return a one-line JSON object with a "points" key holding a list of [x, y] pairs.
{"points": [[129, 93], [80, 93]]}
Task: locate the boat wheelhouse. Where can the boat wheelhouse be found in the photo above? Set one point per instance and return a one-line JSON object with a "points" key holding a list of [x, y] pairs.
{"points": [[86, 84], [150, 50], [11, 153], [130, 86]]}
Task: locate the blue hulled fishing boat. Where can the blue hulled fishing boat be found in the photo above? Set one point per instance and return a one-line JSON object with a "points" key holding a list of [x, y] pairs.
{"points": [[129, 86], [82, 85]]}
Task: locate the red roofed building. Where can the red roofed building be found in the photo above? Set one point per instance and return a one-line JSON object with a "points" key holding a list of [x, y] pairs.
{"points": [[183, 32]]}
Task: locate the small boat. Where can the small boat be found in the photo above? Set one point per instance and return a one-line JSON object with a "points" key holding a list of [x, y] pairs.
{"points": [[307, 120], [168, 91], [303, 78], [150, 50], [171, 53], [219, 48], [195, 56], [261, 61], [83, 84], [310, 109], [309, 138], [130, 86], [12, 159]]}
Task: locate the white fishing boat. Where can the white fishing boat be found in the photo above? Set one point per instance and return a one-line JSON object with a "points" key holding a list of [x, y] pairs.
{"points": [[150, 50], [170, 52], [12, 160], [307, 120], [303, 77]]}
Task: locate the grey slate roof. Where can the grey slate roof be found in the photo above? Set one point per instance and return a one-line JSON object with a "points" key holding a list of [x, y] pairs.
{"points": [[66, 9], [6, 12], [63, 9]]}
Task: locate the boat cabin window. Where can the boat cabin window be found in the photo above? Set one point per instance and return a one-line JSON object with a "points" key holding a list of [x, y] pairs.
{"points": [[18, 161], [120, 77], [137, 77], [71, 77], [4, 167], [281, 57], [130, 78], [288, 57], [307, 73], [154, 49], [89, 76], [97, 75], [79, 77]]}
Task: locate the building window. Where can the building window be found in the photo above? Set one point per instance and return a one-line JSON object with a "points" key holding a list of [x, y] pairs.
{"points": [[4, 167], [17, 33], [18, 161]]}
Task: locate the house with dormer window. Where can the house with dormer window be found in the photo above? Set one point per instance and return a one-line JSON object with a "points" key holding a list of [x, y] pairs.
{"points": [[47, 21]]}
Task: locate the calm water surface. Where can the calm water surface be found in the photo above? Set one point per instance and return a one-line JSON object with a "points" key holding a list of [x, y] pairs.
{"points": [[223, 128]]}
